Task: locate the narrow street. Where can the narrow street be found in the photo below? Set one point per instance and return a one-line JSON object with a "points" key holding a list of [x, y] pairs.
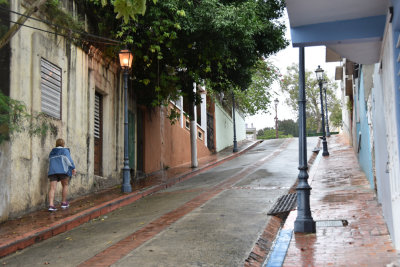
{"points": [[212, 219]]}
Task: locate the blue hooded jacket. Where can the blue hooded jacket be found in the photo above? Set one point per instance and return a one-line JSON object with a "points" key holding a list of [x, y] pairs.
{"points": [[60, 162]]}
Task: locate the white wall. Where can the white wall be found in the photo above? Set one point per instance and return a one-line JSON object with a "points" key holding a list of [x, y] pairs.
{"points": [[388, 91], [381, 152], [224, 128], [346, 114]]}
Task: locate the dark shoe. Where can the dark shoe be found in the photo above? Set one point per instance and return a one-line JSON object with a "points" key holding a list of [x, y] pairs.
{"points": [[65, 205], [52, 208]]}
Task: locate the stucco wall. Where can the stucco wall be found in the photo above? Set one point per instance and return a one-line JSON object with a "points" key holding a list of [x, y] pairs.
{"points": [[224, 128], [5, 183], [166, 144], [81, 76], [240, 127]]}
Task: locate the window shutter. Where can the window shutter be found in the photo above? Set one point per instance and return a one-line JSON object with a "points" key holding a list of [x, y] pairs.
{"points": [[97, 117], [51, 88]]}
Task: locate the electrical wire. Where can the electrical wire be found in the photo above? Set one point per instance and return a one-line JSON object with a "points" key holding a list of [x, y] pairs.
{"points": [[106, 40], [60, 34]]}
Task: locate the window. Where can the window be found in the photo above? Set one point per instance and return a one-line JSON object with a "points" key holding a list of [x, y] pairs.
{"points": [[51, 88]]}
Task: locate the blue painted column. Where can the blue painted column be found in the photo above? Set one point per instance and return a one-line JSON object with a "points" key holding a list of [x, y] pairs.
{"points": [[304, 222]]}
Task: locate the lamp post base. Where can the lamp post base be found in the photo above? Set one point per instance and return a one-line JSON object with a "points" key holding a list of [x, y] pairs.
{"points": [[325, 147], [126, 186], [304, 226], [235, 148]]}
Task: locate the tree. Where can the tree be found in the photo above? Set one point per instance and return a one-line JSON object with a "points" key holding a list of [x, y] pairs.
{"points": [[336, 115], [211, 42], [290, 86], [289, 127], [257, 97]]}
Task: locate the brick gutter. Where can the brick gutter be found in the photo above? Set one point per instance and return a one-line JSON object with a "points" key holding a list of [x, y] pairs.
{"points": [[84, 216], [264, 245]]}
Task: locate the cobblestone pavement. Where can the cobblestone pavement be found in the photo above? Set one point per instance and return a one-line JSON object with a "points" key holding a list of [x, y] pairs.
{"points": [[342, 193]]}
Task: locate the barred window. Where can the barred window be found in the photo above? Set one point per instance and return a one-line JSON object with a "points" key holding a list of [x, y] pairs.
{"points": [[50, 84]]}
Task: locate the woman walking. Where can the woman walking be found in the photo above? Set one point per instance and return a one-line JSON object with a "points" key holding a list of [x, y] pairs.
{"points": [[61, 168]]}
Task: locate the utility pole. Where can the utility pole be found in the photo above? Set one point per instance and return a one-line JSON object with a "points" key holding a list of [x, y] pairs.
{"points": [[276, 118]]}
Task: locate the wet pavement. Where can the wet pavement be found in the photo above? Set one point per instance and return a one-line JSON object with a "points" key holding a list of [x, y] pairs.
{"points": [[355, 233], [37, 226], [212, 219], [216, 216]]}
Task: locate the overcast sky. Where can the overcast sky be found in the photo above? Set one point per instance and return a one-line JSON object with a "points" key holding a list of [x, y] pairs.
{"points": [[314, 56]]}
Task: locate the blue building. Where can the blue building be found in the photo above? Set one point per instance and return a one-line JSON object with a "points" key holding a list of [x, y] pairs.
{"points": [[364, 36]]}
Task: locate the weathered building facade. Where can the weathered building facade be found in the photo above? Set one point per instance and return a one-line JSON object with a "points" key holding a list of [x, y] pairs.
{"points": [[80, 93]]}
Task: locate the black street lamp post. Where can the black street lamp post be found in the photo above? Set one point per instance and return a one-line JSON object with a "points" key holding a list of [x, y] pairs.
{"points": [[125, 58], [320, 77], [328, 133], [235, 148], [304, 222], [276, 118]]}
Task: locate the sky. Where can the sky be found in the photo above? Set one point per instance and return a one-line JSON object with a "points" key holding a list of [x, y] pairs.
{"points": [[314, 56]]}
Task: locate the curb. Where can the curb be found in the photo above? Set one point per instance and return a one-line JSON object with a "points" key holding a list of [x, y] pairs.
{"points": [[84, 216], [264, 245]]}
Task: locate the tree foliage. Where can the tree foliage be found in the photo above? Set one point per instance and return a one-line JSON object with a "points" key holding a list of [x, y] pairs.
{"points": [[270, 133], [126, 9], [290, 86], [257, 97], [289, 127], [210, 42], [336, 115], [14, 118]]}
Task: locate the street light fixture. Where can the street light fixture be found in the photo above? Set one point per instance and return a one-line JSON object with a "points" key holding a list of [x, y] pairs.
{"points": [[235, 148], [320, 78], [125, 59], [304, 221], [276, 118], [328, 133]]}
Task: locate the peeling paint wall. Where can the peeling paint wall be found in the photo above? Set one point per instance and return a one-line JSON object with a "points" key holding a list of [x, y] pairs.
{"points": [[364, 146], [82, 75], [389, 99], [5, 167]]}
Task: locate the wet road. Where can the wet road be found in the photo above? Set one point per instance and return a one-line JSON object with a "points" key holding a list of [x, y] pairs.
{"points": [[213, 219]]}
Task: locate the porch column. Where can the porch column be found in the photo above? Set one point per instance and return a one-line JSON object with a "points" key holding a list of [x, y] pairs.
{"points": [[193, 132]]}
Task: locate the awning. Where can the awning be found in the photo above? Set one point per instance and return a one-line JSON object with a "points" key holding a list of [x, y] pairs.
{"points": [[351, 28]]}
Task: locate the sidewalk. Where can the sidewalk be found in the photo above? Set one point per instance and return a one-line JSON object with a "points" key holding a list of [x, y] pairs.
{"points": [[37, 226], [351, 230]]}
